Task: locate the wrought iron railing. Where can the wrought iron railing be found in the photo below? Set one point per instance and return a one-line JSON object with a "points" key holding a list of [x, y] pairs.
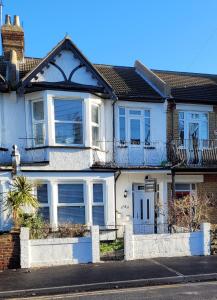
{"points": [[193, 152]]}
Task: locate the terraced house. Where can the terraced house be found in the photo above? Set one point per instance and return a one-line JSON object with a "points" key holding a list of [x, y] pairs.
{"points": [[106, 142]]}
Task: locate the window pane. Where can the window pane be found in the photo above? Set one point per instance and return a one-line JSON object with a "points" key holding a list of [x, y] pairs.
{"points": [[38, 133], [95, 114], [69, 133], [68, 110], [38, 111], [70, 193], [182, 187], [122, 129], [97, 192], [181, 115], [95, 136], [147, 113], [75, 215], [122, 111], [98, 215], [147, 131], [44, 213], [135, 112], [42, 194], [135, 131]]}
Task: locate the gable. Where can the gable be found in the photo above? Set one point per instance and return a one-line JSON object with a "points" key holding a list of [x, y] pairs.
{"points": [[66, 67]]}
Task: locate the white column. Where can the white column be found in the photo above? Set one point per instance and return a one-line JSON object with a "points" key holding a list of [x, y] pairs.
{"points": [[128, 242], [53, 200], [205, 228], [25, 255], [95, 244]]}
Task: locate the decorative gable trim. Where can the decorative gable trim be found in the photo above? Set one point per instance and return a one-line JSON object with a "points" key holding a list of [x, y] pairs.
{"points": [[66, 44]]}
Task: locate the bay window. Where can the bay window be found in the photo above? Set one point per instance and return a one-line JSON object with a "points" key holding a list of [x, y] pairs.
{"points": [[38, 122], [98, 217], [71, 206], [42, 196], [68, 118], [95, 124]]}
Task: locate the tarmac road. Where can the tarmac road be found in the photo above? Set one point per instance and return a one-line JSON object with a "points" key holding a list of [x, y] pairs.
{"points": [[199, 291]]}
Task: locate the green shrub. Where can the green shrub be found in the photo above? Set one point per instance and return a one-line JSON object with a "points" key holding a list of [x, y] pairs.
{"points": [[107, 247]]}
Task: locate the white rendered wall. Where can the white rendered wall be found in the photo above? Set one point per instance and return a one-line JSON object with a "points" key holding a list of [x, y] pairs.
{"points": [[167, 245], [59, 251]]}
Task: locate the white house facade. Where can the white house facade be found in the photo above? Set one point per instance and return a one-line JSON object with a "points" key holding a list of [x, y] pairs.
{"points": [[99, 138]]}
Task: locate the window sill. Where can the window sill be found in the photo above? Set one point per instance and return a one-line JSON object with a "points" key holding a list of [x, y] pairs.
{"points": [[149, 147], [57, 147]]}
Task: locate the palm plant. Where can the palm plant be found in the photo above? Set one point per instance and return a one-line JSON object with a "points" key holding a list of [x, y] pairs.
{"points": [[20, 197]]}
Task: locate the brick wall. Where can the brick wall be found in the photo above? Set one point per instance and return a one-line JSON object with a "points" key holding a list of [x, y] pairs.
{"points": [[209, 187], [9, 251]]}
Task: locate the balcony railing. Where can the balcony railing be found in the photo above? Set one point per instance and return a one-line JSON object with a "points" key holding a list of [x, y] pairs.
{"points": [[193, 152], [135, 154]]}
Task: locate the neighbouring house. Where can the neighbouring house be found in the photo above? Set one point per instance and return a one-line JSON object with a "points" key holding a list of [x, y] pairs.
{"points": [[106, 142]]}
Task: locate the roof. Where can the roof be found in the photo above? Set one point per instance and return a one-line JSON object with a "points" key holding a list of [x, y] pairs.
{"points": [[128, 84], [190, 86]]}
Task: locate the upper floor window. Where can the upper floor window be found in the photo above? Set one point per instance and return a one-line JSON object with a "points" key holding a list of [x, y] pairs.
{"points": [[38, 122], [134, 126], [95, 122], [68, 118], [193, 126]]}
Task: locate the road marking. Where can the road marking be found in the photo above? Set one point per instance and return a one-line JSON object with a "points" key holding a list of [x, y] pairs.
{"points": [[166, 267], [120, 291]]}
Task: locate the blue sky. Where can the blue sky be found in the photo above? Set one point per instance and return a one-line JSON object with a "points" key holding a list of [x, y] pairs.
{"points": [[163, 34]]}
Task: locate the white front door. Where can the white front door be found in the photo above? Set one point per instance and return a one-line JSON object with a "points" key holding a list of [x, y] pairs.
{"points": [[143, 210], [136, 151]]}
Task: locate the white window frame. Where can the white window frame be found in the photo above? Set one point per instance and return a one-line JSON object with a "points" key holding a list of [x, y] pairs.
{"points": [[78, 204], [99, 203], [188, 120], [129, 116], [191, 190], [93, 124], [35, 122], [69, 122]]}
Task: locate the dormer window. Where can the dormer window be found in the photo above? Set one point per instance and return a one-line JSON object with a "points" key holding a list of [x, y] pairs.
{"points": [[68, 117]]}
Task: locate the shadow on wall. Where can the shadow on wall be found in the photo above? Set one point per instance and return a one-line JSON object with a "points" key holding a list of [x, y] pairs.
{"points": [[82, 252]]}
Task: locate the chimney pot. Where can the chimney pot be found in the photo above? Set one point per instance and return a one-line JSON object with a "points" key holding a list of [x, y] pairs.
{"points": [[17, 21], [7, 20]]}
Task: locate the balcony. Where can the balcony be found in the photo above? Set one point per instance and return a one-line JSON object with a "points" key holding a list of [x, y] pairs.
{"points": [[135, 154], [193, 153]]}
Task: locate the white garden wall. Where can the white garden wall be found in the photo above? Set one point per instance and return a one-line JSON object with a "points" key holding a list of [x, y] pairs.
{"points": [[167, 245], [59, 251]]}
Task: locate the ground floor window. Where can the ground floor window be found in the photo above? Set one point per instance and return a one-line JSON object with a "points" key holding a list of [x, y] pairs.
{"points": [[42, 195], [71, 207], [98, 205], [72, 203], [184, 189]]}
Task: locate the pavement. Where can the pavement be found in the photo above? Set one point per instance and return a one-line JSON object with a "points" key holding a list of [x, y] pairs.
{"points": [[109, 275]]}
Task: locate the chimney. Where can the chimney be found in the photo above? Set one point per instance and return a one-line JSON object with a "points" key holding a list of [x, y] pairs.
{"points": [[12, 38]]}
